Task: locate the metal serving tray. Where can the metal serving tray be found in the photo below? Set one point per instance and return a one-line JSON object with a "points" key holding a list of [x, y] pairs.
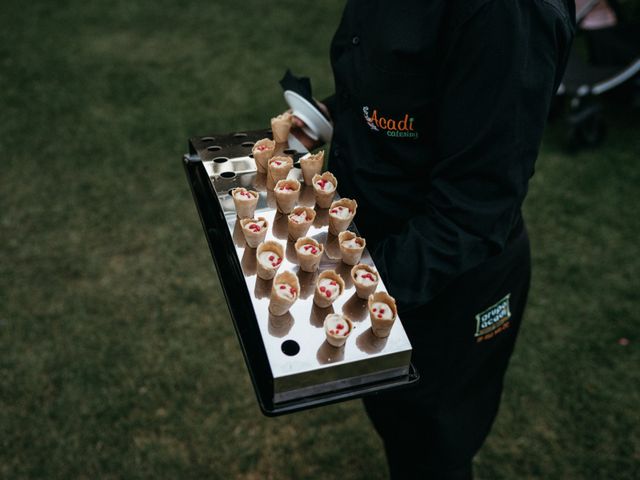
{"points": [[291, 364]]}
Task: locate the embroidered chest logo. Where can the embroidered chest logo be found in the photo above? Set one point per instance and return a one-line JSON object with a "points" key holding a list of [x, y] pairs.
{"points": [[493, 320], [392, 127]]}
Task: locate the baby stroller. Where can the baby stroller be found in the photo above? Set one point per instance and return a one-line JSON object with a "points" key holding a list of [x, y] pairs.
{"points": [[605, 56]]}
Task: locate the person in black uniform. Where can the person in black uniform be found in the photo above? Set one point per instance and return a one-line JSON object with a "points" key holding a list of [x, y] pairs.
{"points": [[438, 113]]}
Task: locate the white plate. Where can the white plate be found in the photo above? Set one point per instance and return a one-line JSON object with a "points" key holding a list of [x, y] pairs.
{"points": [[317, 125]]}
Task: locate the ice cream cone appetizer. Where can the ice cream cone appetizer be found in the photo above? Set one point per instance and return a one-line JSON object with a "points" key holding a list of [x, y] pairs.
{"points": [[341, 214], [269, 256], [283, 293], [383, 312], [254, 230], [309, 253], [299, 221], [337, 328], [278, 169], [351, 247], [365, 280], [311, 164], [328, 287], [324, 188], [280, 127], [287, 193], [245, 202], [262, 151]]}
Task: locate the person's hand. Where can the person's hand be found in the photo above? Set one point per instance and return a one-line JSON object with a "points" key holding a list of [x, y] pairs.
{"points": [[298, 132]]}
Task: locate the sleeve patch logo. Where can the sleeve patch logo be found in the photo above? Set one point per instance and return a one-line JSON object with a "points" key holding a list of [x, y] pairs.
{"points": [[402, 127], [493, 320]]}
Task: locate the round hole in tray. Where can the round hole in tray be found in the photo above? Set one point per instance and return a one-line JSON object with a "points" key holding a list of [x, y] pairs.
{"points": [[228, 175], [296, 165], [214, 148], [220, 159], [290, 347], [230, 192], [290, 151], [239, 135], [250, 155], [207, 139], [247, 144]]}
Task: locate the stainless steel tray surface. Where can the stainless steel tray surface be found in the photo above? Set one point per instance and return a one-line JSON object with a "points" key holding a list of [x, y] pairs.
{"points": [[301, 361]]}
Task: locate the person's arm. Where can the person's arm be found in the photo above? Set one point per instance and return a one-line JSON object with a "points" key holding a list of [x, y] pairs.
{"points": [[493, 96]]}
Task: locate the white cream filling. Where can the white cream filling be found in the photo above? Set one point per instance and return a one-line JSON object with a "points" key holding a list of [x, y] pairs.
{"points": [[298, 217], [259, 225], [243, 195], [325, 185], [363, 277], [351, 243], [285, 188], [276, 163], [309, 249], [285, 291], [382, 311], [269, 259], [340, 212], [329, 287], [335, 324]]}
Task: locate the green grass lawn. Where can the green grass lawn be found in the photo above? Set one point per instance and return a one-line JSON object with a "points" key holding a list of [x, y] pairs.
{"points": [[117, 355]]}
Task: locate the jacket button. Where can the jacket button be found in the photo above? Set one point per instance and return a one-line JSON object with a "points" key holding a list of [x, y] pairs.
{"points": [[355, 40]]}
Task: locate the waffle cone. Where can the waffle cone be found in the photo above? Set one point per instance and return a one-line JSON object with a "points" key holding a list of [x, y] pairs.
{"points": [[280, 127], [337, 225], [277, 304], [262, 156], [363, 291], [311, 164], [324, 199], [298, 230], [350, 256], [245, 207], [381, 328], [286, 200], [320, 298], [308, 262], [337, 340], [267, 273], [275, 172], [252, 238]]}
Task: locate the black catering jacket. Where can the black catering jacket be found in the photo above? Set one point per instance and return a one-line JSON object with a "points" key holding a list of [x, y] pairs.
{"points": [[438, 110]]}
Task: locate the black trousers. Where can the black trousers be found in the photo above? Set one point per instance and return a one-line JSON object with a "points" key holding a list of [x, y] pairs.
{"points": [[461, 347]]}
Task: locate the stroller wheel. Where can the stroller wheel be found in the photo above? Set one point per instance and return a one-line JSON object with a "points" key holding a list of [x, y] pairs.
{"points": [[587, 131]]}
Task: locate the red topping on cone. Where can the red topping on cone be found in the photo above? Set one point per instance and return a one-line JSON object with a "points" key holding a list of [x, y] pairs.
{"points": [[340, 326], [328, 293], [271, 257], [262, 147], [322, 289], [282, 287], [375, 309]]}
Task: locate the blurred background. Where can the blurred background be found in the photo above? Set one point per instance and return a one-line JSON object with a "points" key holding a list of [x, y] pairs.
{"points": [[117, 355]]}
